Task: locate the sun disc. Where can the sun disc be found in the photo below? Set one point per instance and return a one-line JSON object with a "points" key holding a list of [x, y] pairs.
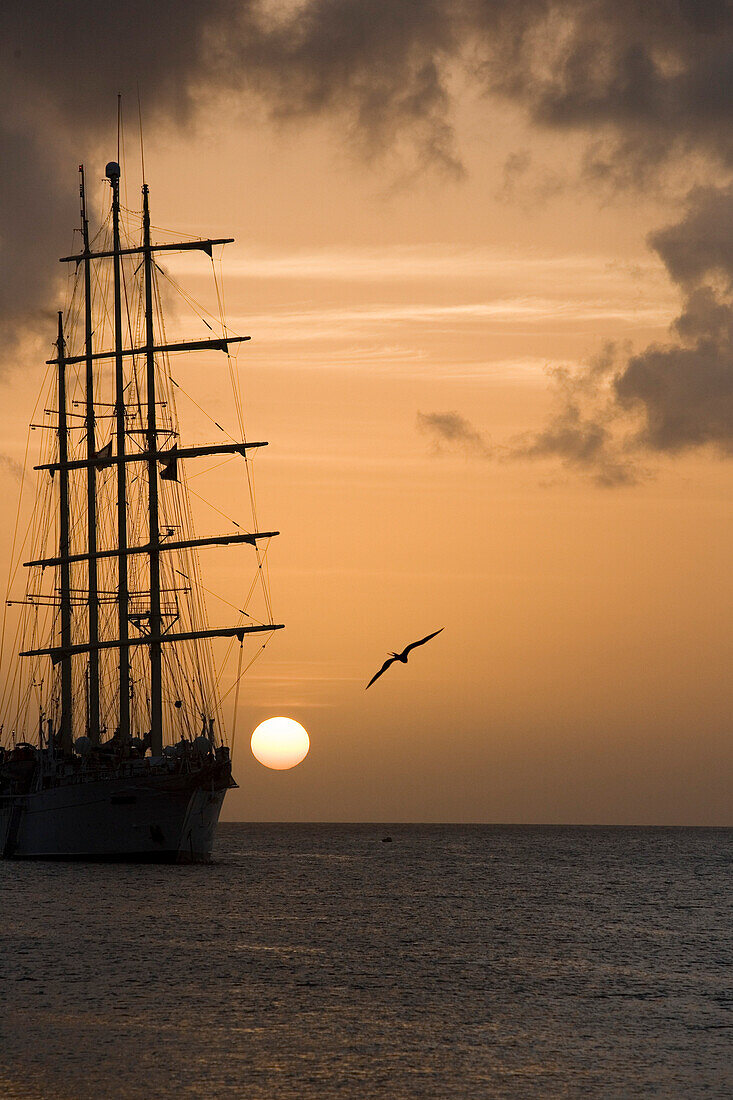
{"points": [[280, 743]]}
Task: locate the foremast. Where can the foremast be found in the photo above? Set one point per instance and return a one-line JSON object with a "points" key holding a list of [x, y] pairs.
{"points": [[155, 623], [95, 460]]}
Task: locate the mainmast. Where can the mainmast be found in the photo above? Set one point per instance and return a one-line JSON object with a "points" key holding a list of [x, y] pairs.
{"points": [[93, 594], [65, 567], [123, 595], [156, 688]]}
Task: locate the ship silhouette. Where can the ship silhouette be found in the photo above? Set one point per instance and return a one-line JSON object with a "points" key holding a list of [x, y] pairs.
{"points": [[125, 756]]}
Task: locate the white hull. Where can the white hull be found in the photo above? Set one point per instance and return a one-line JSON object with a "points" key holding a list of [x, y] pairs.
{"points": [[124, 818]]}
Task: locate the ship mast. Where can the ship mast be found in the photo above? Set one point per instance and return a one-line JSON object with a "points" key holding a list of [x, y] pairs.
{"points": [[156, 688], [93, 594], [65, 567], [155, 637], [123, 595]]}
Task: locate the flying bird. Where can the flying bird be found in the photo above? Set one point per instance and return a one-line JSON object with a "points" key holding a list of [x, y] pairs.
{"points": [[401, 656]]}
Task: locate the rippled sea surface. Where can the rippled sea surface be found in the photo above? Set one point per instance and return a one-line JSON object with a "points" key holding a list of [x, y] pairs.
{"points": [[318, 961]]}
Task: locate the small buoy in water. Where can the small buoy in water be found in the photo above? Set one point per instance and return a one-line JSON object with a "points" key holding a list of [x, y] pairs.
{"points": [[386, 840]]}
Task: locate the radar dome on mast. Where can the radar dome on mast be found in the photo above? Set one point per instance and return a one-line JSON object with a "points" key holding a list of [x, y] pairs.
{"points": [[112, 171]]}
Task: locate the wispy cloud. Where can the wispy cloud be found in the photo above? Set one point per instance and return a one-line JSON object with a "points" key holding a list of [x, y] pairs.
{"points": [[337, 323], [421, 262]]}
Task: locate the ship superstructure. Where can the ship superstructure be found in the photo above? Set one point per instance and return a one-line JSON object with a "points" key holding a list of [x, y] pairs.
{"points": [[125, 755]]}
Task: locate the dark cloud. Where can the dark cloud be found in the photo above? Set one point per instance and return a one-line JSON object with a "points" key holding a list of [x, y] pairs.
{"points": [[677, 395], [584, 444], [451, 432], [654, 77], [644, 82], [684, 395], [378, 65], [581, 432], [649, 76], [701, 245], [683, 391], [61, 67]]}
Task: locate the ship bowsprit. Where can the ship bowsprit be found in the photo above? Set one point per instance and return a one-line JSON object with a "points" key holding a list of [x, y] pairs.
{"points": [[147, 817]]}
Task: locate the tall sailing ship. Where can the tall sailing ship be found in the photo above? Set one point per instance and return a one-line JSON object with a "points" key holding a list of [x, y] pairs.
{"points": [[115, 746]]}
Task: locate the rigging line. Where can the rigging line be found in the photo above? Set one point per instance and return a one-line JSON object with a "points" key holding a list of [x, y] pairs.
{"points": [[236, 390], [14, 569], [11, 572], [13, 684], [210, 469], [211, 686], [248, 666], [196, 305], [178, 385], [262, 577], [236, 697], [213, 506], [236, 394], [219, 287], [248, 597], [173, 667], [202, 410], [249, 472], [28, 625], [253, 504], [13, 694], [266, 587], [142, 147], [176, 233], [256, 578], [224, 664], [202, 654], [216, 596], [121, 137], [251, 488], [128, 316]]}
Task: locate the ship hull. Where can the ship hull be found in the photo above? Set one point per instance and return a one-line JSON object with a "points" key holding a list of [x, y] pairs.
{"points": [[152, 819]]}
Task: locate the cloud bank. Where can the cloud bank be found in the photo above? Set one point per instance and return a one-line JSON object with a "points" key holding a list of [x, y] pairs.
{"points": [[644, 82], [669, 398]]}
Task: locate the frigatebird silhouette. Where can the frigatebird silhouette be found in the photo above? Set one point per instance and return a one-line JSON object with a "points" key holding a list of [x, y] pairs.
{"points": [[401, 656]]}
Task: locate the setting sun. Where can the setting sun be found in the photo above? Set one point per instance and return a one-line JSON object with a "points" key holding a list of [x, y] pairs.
{"points": [[280, 743]]}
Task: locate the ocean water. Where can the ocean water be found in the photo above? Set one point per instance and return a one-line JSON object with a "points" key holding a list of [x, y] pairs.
{"points": [[318, 961]]}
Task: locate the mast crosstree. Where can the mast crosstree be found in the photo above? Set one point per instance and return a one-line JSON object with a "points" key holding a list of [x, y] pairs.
{"points": [[158, 462]]}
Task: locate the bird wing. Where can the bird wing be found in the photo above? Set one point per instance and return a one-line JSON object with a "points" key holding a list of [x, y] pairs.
{"points": [[414, 645], [385, 666]]}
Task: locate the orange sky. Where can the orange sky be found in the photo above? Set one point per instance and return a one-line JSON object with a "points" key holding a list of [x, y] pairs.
{"points": [[583, 673]]}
